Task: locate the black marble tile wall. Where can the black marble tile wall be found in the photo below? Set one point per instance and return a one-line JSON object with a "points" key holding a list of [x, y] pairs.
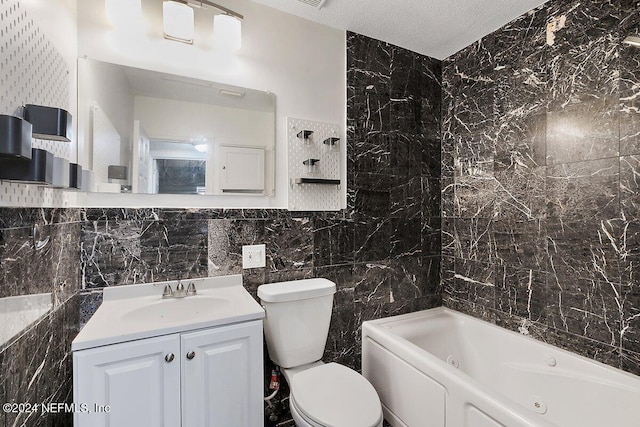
{"points": [[540, 149], [35, 364], [383, 251]]}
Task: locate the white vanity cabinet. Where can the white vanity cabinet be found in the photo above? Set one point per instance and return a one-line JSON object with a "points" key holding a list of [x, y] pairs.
{"points": [[222, 376], [133, 378], [205, 378]]}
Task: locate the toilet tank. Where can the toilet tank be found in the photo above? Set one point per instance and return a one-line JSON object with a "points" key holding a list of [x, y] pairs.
{"points": [[297, 320]]}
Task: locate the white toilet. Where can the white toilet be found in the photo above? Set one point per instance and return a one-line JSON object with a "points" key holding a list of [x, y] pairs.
{"points": [[296, 328]]}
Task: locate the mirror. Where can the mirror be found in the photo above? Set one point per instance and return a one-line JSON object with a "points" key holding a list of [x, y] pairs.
{"points": [[148, 132]]}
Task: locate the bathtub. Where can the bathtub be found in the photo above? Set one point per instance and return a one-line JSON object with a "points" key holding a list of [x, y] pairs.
{"points": [[439, 368]]}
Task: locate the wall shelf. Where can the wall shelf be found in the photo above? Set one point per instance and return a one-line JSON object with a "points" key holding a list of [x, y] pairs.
{"points": [[15, 138], [304, 134], [317, 181], [54, 124], [315, 169]]}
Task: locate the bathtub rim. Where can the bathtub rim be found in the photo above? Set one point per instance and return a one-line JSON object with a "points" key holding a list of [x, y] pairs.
{"points": [[439, 311]]}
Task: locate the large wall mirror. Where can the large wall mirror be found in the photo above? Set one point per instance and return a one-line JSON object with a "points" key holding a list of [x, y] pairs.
{"points": [[148, 132]]}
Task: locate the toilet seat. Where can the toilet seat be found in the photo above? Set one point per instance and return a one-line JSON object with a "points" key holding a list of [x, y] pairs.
{"points": [[333, 395]]}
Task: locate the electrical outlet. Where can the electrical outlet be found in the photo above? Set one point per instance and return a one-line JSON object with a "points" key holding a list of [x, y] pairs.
{"points": [[254, 256]]}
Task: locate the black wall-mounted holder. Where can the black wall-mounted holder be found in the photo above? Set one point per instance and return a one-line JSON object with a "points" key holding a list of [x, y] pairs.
{"points": [[49, 123], [304, 134], [38, 170], [15, 138], [75, 176], [331, 141]]}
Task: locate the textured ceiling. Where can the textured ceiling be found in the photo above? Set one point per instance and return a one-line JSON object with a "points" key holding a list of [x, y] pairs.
{"points": [[437, 28]]}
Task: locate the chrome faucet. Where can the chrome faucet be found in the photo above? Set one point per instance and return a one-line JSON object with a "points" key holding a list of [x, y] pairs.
{"points": [[191, 289], [180, 291], [168, 292]]}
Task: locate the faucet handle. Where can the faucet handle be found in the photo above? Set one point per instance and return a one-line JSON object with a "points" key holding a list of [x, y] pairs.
{"points": [[180, 292], [191, 289], [168, 292]]}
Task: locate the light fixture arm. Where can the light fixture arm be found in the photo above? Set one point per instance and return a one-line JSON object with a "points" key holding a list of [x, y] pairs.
{"points": [[214, 5]]}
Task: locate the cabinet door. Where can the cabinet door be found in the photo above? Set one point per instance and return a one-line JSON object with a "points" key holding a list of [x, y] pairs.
{"points": [[222, 382], [242, 169], [136, 380]]}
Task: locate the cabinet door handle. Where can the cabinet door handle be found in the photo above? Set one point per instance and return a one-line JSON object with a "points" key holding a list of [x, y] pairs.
{"points": [[191, 355], [169, 358]]}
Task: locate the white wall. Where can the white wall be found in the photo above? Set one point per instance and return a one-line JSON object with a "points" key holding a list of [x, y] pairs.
{"points": [[55, 21], [220, 125], [303, 63]]}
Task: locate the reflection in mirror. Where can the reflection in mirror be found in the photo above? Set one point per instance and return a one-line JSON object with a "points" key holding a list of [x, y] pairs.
{"points": [[148, 132]]}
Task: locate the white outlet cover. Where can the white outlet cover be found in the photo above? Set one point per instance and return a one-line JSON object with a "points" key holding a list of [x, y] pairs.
{"points": [[254, 256]]}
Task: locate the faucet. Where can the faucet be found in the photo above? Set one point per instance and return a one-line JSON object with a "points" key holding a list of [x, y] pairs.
{"points": [[180, 291], [191, 289]]}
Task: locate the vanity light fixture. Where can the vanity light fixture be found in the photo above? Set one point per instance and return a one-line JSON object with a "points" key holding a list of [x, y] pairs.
{"points": [[227, 32], [178, 20], [632, 40]]}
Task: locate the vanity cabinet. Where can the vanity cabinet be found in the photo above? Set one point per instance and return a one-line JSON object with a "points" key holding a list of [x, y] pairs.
{"points": [[222, 384], [202, 378]]}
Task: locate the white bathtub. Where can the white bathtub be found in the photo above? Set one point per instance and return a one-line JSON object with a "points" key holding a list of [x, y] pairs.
{"points": [[439, 368]]}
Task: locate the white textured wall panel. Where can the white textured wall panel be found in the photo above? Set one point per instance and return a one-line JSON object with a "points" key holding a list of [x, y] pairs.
{"points": [[32, 71], [314, 197]]}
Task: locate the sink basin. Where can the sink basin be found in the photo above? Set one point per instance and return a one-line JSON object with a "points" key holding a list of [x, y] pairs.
{"points": [[176, 310], [135, 312]]}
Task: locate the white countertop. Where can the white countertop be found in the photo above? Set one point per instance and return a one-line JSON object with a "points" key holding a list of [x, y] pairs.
{"points": [[138, 311]]}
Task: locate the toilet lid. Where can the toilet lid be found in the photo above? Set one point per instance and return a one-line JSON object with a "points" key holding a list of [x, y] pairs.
{"points": [[335, 396]]}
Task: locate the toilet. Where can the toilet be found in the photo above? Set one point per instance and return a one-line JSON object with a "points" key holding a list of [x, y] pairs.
{"points": [[296, 329]]}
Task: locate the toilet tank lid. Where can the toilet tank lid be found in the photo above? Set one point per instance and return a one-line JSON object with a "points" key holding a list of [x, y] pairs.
{"points": [[296, 290]]}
